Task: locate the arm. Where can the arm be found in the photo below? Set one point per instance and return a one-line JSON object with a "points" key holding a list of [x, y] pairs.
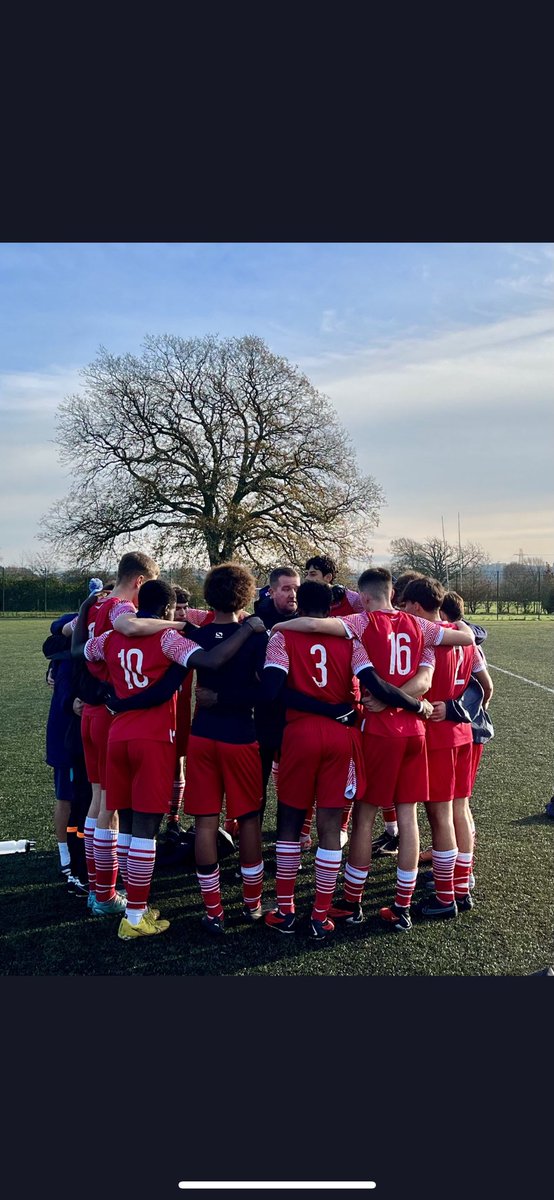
{"points": [[317, 625], [462, 635], [419, 683], [487, 686], [393, 697], [132, 626], [189, 654], [80, 633], [303, 703]]}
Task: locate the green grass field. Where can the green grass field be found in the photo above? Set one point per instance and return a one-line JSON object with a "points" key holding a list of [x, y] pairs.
{"points": [[509, 932]]}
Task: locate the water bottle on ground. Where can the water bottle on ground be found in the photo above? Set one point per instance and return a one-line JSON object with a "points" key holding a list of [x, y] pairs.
{"points": [[20, 846]]}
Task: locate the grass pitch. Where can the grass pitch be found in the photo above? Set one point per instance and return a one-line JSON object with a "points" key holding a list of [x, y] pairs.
{"points": [[509, 932]]}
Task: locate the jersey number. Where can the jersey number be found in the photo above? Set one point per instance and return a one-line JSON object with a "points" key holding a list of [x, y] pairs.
{"points": [[400, 654], [132, 668], [320, 666]]}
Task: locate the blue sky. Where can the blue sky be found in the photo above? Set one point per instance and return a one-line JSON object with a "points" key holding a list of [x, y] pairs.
{"points": [[438, 358]]}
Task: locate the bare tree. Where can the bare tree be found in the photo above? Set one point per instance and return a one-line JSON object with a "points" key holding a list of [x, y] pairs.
{"points": [[454, 565], [210, 450]]}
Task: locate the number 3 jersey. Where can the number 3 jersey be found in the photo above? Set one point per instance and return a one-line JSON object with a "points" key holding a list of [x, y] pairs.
{"points": [[318, 666], [397, 645], [135, 664]]}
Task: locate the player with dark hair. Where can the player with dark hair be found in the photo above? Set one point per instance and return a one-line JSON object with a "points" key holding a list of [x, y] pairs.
{"points": [[318, 756], [141, 744], [400, 583], [320, 568], [401, 650], [223, 758]]}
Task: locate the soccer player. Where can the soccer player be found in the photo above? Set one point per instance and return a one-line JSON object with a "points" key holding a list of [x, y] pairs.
{"points": [[401, 650], [448, 751], [195, 616], [101, 825], [318, 755], [322, 569], [223, 758], [141, 744], [64, 752], [279, 604], [474, 701]]}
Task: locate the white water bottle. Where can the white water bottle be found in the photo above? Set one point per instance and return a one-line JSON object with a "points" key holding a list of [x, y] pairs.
{"points": [[18, 847]]}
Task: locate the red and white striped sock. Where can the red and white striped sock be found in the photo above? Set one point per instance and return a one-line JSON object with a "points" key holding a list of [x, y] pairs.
{"points": [[307, 826], [123, 843], [354, 883], [405, 885], [252, 883], [288, 862], [391, 824], [327, 864], [105, 863], [90, 826], [444, 862], [176, 799], [462, 872], [346, 814], [208, 878], [140, 868]]}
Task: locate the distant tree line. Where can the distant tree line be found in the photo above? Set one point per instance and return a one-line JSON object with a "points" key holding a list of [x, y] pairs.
{"points": [[44, 588], [518, 587], [522, 587]]}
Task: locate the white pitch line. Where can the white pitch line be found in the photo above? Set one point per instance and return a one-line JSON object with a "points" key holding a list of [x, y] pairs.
{"points": [[522, 677], [304, 1185]]}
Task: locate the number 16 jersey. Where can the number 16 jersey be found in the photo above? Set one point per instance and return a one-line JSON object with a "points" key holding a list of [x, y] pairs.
{"points": [[397, 644]]}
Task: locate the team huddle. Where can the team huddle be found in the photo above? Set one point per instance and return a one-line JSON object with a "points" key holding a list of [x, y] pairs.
{"points": [[357, 702]]}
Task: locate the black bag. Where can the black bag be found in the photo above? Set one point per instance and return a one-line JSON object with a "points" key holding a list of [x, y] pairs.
{"points": [[179, 855]]}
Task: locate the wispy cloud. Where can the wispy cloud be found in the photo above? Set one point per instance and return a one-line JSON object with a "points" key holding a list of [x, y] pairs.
{"points": [[37, 391]]}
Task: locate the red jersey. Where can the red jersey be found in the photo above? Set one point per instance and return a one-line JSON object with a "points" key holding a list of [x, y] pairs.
{"points": [[397, 645], [200, 616], [321, 667], [137, 663], [100, 618], [349, 604], [453, 668]]}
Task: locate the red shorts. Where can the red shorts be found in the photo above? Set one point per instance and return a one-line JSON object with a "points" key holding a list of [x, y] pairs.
{"points": [[449, 772], [100, 725], [316, 756], [217, 769], [89, 748], [183, 716], [140, 775], [396, 770], [476, 752]]}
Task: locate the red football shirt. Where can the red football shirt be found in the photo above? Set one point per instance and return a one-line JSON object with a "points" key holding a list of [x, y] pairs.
{"points": [[349, 604], [397, 645], [321, 667], [100, 619], [137, 663]]}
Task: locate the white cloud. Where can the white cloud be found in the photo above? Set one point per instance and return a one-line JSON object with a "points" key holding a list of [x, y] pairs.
{"points": [[37, 390], [491, 364]]}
